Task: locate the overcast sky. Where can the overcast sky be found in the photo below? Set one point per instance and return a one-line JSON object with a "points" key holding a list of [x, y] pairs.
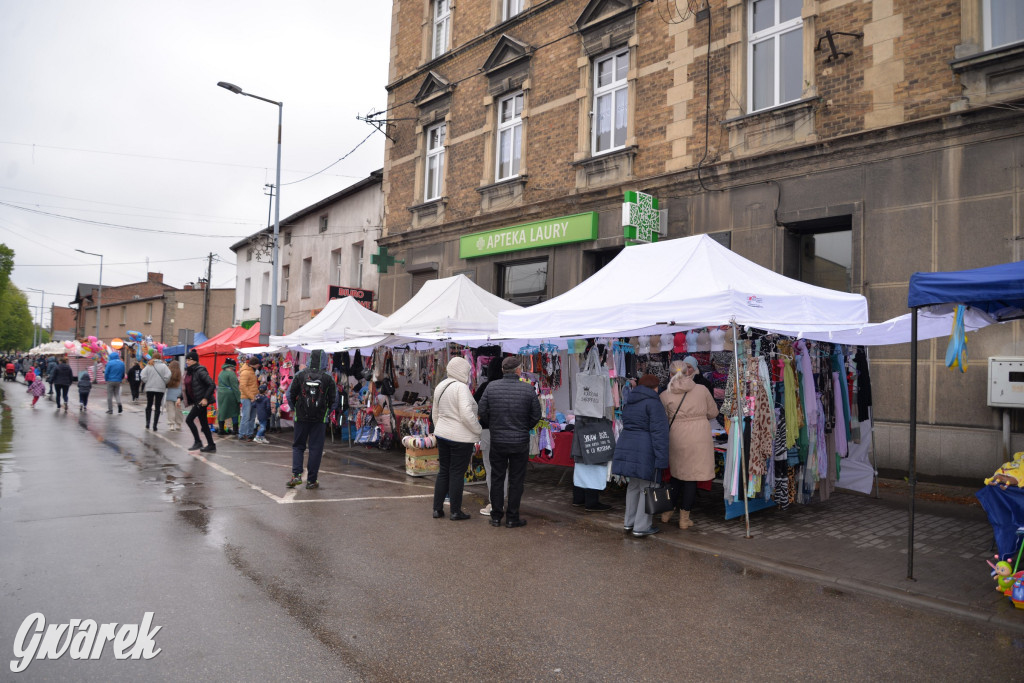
{"points": [[111, 113]]}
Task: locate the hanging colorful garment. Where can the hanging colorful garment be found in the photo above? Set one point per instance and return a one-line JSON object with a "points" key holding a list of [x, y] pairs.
{"points": [[780, 493], [839, 432], [733, 458], [762, 439], [792, 416]]}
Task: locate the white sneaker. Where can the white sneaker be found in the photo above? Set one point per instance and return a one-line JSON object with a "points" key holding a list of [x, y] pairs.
{"points": [[486, 511]]}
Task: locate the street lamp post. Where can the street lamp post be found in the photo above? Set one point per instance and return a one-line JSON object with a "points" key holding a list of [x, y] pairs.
{"points": [[99, 306], [277, 205]]}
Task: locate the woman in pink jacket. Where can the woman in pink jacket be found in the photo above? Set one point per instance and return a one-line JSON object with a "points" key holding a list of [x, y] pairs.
{"points": [[691, 450]]}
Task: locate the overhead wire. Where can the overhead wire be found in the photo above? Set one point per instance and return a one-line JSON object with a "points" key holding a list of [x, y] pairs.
{"points": [[116, 226]]}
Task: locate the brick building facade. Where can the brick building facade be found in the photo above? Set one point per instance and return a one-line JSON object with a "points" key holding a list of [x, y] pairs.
{"points": [[848, 143], [152, 308]]}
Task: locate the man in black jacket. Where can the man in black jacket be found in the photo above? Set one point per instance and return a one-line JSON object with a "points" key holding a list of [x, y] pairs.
{"points": [[61, 377], [509, 408], [199, 391], [311, 395]]}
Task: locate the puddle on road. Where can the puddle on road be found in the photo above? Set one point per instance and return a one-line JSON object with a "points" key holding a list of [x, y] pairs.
{"points": [[6, 436]]}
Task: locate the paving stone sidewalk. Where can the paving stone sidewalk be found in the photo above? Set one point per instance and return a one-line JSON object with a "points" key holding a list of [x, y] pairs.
{"points": [[851, 541]]}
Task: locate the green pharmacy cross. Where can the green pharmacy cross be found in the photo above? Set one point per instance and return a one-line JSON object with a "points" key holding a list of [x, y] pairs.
{"points": [[641, 219], [383, 260]]}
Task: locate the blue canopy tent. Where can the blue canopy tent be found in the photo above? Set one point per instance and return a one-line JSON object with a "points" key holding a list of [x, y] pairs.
{"points": [[182, 349], [998, 291]]}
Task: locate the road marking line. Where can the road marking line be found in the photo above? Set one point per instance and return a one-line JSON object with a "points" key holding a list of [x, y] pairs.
{"points": [[224, 470], [354, 476], [289, 497], [346, 500]]}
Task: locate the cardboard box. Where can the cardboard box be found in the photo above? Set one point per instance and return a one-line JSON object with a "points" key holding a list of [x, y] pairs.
{"points": [[420, 462]]}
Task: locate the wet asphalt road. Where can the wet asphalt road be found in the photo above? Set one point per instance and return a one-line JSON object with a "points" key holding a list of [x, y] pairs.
{"points": [[101, 519]]}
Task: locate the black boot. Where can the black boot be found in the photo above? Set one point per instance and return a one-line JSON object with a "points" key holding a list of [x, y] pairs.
{"points": [[149, 414]]}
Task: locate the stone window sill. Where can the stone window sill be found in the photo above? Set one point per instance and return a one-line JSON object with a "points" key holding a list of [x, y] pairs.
{"points": [[502, 194]]}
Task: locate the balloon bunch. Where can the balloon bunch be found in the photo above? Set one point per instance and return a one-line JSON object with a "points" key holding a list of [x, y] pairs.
{"points": [[86, 348]]}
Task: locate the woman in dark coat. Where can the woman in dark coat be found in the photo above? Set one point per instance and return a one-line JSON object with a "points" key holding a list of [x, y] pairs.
{"points": [[641, 452]]}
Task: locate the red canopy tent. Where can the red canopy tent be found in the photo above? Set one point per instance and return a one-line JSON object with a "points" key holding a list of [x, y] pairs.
{"points": [[222, 346]]}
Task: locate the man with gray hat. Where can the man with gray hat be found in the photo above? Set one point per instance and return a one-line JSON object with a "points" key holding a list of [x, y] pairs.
{"points": [[311, 395], [509, 408]]}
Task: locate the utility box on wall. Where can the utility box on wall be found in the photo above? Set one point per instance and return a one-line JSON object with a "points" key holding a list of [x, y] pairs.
{"points": [[1006, 382]]}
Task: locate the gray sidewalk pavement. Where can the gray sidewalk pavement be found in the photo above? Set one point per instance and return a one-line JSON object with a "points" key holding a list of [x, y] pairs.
{"points": [[849, 543]]}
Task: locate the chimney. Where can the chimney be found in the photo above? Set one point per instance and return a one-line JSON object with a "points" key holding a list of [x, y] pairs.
{"points": [[155, 277], [201, 284], [188, 285]]}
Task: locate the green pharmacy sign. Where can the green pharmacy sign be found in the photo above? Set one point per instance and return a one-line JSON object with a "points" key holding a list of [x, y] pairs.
{"points": [[641, 219], [565, 230]]}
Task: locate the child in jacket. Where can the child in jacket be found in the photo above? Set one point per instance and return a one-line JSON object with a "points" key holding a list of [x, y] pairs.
{"points": [[37, 389], [261, 406], [84, 387]]}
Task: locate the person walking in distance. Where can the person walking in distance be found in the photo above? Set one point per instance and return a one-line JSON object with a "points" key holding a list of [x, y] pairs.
{"points": [[84, 388], [155, 377], [311, 395], [199, 391], [62, 377], [51, 365], [36, 388], [113, 375], [135, 379], [457, 430], [171, 396], [248, 388], [510, 409]]}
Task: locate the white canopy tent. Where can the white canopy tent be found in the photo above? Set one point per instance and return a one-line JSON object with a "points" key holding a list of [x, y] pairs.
{"points": [[449, 309], [334, 323], [682, 284]]}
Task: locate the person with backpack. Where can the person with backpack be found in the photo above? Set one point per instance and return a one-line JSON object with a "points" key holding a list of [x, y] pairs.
{"points": [[311, 395], [84, 387]]}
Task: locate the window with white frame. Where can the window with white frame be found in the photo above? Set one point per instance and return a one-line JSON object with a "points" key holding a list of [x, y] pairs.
{"points": [[611, 102], [246, 293], [510, 136], [306, 277], [357, 264], [124, 315], [1004, 22], [510, 8], [442, 27], [323, 223], [336, 267], [288, 238], [285, 271], [149, 312], [435, 162], [265, 288], [248, 254], [775, 52]]}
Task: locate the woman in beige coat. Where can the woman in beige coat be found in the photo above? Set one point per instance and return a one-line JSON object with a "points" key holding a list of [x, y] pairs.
{"points": [[691, 451]]}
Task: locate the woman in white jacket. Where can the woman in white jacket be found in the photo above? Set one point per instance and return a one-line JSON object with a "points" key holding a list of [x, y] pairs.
{"points": [[457, 430], [154, 377]]}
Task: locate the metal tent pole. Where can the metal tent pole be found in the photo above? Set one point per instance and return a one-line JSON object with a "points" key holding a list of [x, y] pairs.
{"points": [[739, 407], [912, 465]]}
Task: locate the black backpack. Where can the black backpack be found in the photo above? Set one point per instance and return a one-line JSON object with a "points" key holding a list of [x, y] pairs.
{"points": [[314, 395]]}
